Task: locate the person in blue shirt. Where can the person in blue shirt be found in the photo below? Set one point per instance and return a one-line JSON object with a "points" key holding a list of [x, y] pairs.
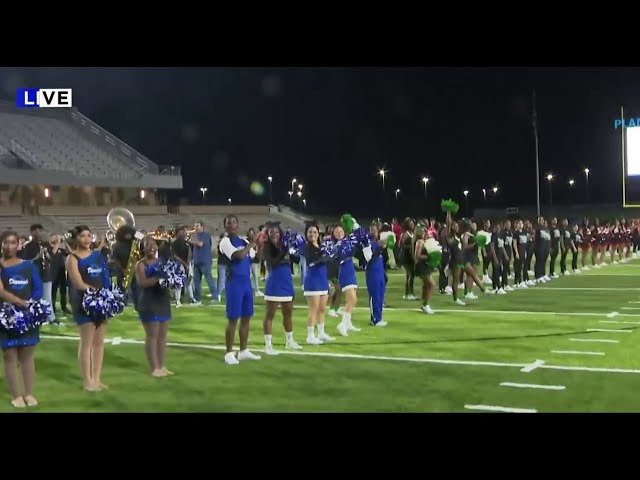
{"points": [[202, 263], [20, 281], [374, 273], [239, 293]]}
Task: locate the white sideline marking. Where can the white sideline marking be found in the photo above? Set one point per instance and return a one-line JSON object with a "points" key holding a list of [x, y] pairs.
{"points": [[619, 321], [372, 357], [595, 340], [493, 408], [472, 311], [630, 308], [530, 368], [585, 288], [613, 315], [576, 352], [533, 385], [608, 330], [633, 302], [116, 341]]}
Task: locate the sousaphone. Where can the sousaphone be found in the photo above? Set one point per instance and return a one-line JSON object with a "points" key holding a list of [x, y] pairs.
{"points": [[119, 217]]}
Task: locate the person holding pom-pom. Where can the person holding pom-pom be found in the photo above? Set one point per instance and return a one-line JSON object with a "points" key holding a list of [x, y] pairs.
{"points": [[154, 307], [346, 279], [425, 263], [20, 281], [88, 270], [470, 256]]}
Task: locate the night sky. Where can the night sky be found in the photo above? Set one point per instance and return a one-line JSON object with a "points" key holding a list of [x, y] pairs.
{"points": [[334, 128]]}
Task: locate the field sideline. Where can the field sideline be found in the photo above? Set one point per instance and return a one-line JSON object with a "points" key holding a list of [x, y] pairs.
{"points": [[566, 346]]}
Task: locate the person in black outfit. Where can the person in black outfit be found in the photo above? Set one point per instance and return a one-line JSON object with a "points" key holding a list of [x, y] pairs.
{"points": [[531, 236], [519, 253], [181, 251], [565, 245], [58, 273], [39, 252], [121, 251], [556, 235], [542, 240]]}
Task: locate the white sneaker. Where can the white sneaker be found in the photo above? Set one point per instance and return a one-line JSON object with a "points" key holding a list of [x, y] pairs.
{"points": [[585, 268], [351, 328], [597, 266], [259, 294], [332, 313], [326, 338], [615, 262], [342, 328], [269, 350], [381, 324], [412, 297], [531, 283], [567, 272], [508, 288], [340, 310], [486, 280], [293, 345], [577, 272], [489, 291], [230, 359], [501, 292], [247, 355], [523, 285], [196, 304], [460, 302], [470, 296], [448, 290], [547, 278], [178, 304], [313, 341], [427, 309], [405, 297]]}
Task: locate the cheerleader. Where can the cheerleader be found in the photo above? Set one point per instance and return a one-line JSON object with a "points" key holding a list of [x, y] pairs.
{"points": [[278, 288], [87, 269], [456, 262], [375, 276], [333, 268], [574, 241], [422, 269], [154, 308], [486, 257], [316, 284], [470, 257], [565, 246], [556, 237], [19, 282], [348, 283], [526, 268], [239, 294]]}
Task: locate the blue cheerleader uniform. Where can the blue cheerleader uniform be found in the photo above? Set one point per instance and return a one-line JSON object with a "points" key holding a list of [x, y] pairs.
{"points": [[376, 285], [239, 292], [95, 273], [279, 285], [23, 280], [316, 283], [347, 275], [153, 302]]}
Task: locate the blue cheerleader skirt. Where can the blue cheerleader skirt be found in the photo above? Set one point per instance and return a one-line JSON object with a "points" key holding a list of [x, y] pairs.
{"points": [[347, 275], [279, 286]]}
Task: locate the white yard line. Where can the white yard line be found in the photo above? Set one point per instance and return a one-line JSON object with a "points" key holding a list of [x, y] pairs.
{"points": [[576, 352], [620, 322], [376, 357], [533, 385], [608, 330], [530, 368], [494, 408], [593, 340]]}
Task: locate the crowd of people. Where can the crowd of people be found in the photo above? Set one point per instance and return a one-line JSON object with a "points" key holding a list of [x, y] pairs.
{"points": [[328, 258]]}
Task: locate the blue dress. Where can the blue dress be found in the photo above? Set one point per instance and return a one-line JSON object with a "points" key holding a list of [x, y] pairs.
{"points": [[154, 304], [23, 280], [94, 272], [316, 281], [279, 285]]}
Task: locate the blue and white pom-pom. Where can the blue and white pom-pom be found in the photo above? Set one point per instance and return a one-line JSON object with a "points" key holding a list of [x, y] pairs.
{"points": [[360, 237], [172, 275], [329, 247], [293, 242], [19, 320], [103, 303]]}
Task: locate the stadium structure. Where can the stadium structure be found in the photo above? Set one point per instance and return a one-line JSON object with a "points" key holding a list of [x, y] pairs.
{"points": [[59, 168]]}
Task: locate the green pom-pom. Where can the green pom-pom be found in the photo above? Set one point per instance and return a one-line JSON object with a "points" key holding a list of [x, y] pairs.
{"points": [[449, 206], [348, 223], [434, 259], [391, 241], [480, 240]]}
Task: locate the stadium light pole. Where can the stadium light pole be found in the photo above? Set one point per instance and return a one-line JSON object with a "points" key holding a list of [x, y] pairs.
{"points": [[534, 122], [586, 172], [382, 173], [425, 181], [229, 200], [484, 194], [293, 183], [270, 178], [304, 202], [397, 193], [204, 191], [290, 194], [550, 178], [466, 202]]}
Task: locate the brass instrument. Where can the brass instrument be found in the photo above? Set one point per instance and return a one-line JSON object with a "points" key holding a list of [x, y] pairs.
{"points": [[111, 237], [116, 218]]}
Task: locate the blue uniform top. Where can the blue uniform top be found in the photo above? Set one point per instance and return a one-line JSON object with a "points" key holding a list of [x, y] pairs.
{"points": [[237, 268], [376, 263], [23, 280]]}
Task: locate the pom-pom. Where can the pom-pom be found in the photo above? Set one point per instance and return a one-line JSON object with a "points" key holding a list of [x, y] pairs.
{"points": [[293, 242], [482, 238], [20, 320], [391, 240], [360, 238], [172, 275], [103, 303], [349, 224], [449, 206], [434, 252], [329, 247]]}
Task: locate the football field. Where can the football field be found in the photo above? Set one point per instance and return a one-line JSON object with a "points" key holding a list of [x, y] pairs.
{"points": [[570, 345]]}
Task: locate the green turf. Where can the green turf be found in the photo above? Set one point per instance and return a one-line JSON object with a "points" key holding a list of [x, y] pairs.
{"points": [[513, 330]]}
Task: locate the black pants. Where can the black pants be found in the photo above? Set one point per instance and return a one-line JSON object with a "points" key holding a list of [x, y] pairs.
{"points": [[517, 267], [496, 277], [527, 265], [539, 267], [486, 261], [552, 264], [59, 281], [574, 260], [506, 269], [563, 261]]}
